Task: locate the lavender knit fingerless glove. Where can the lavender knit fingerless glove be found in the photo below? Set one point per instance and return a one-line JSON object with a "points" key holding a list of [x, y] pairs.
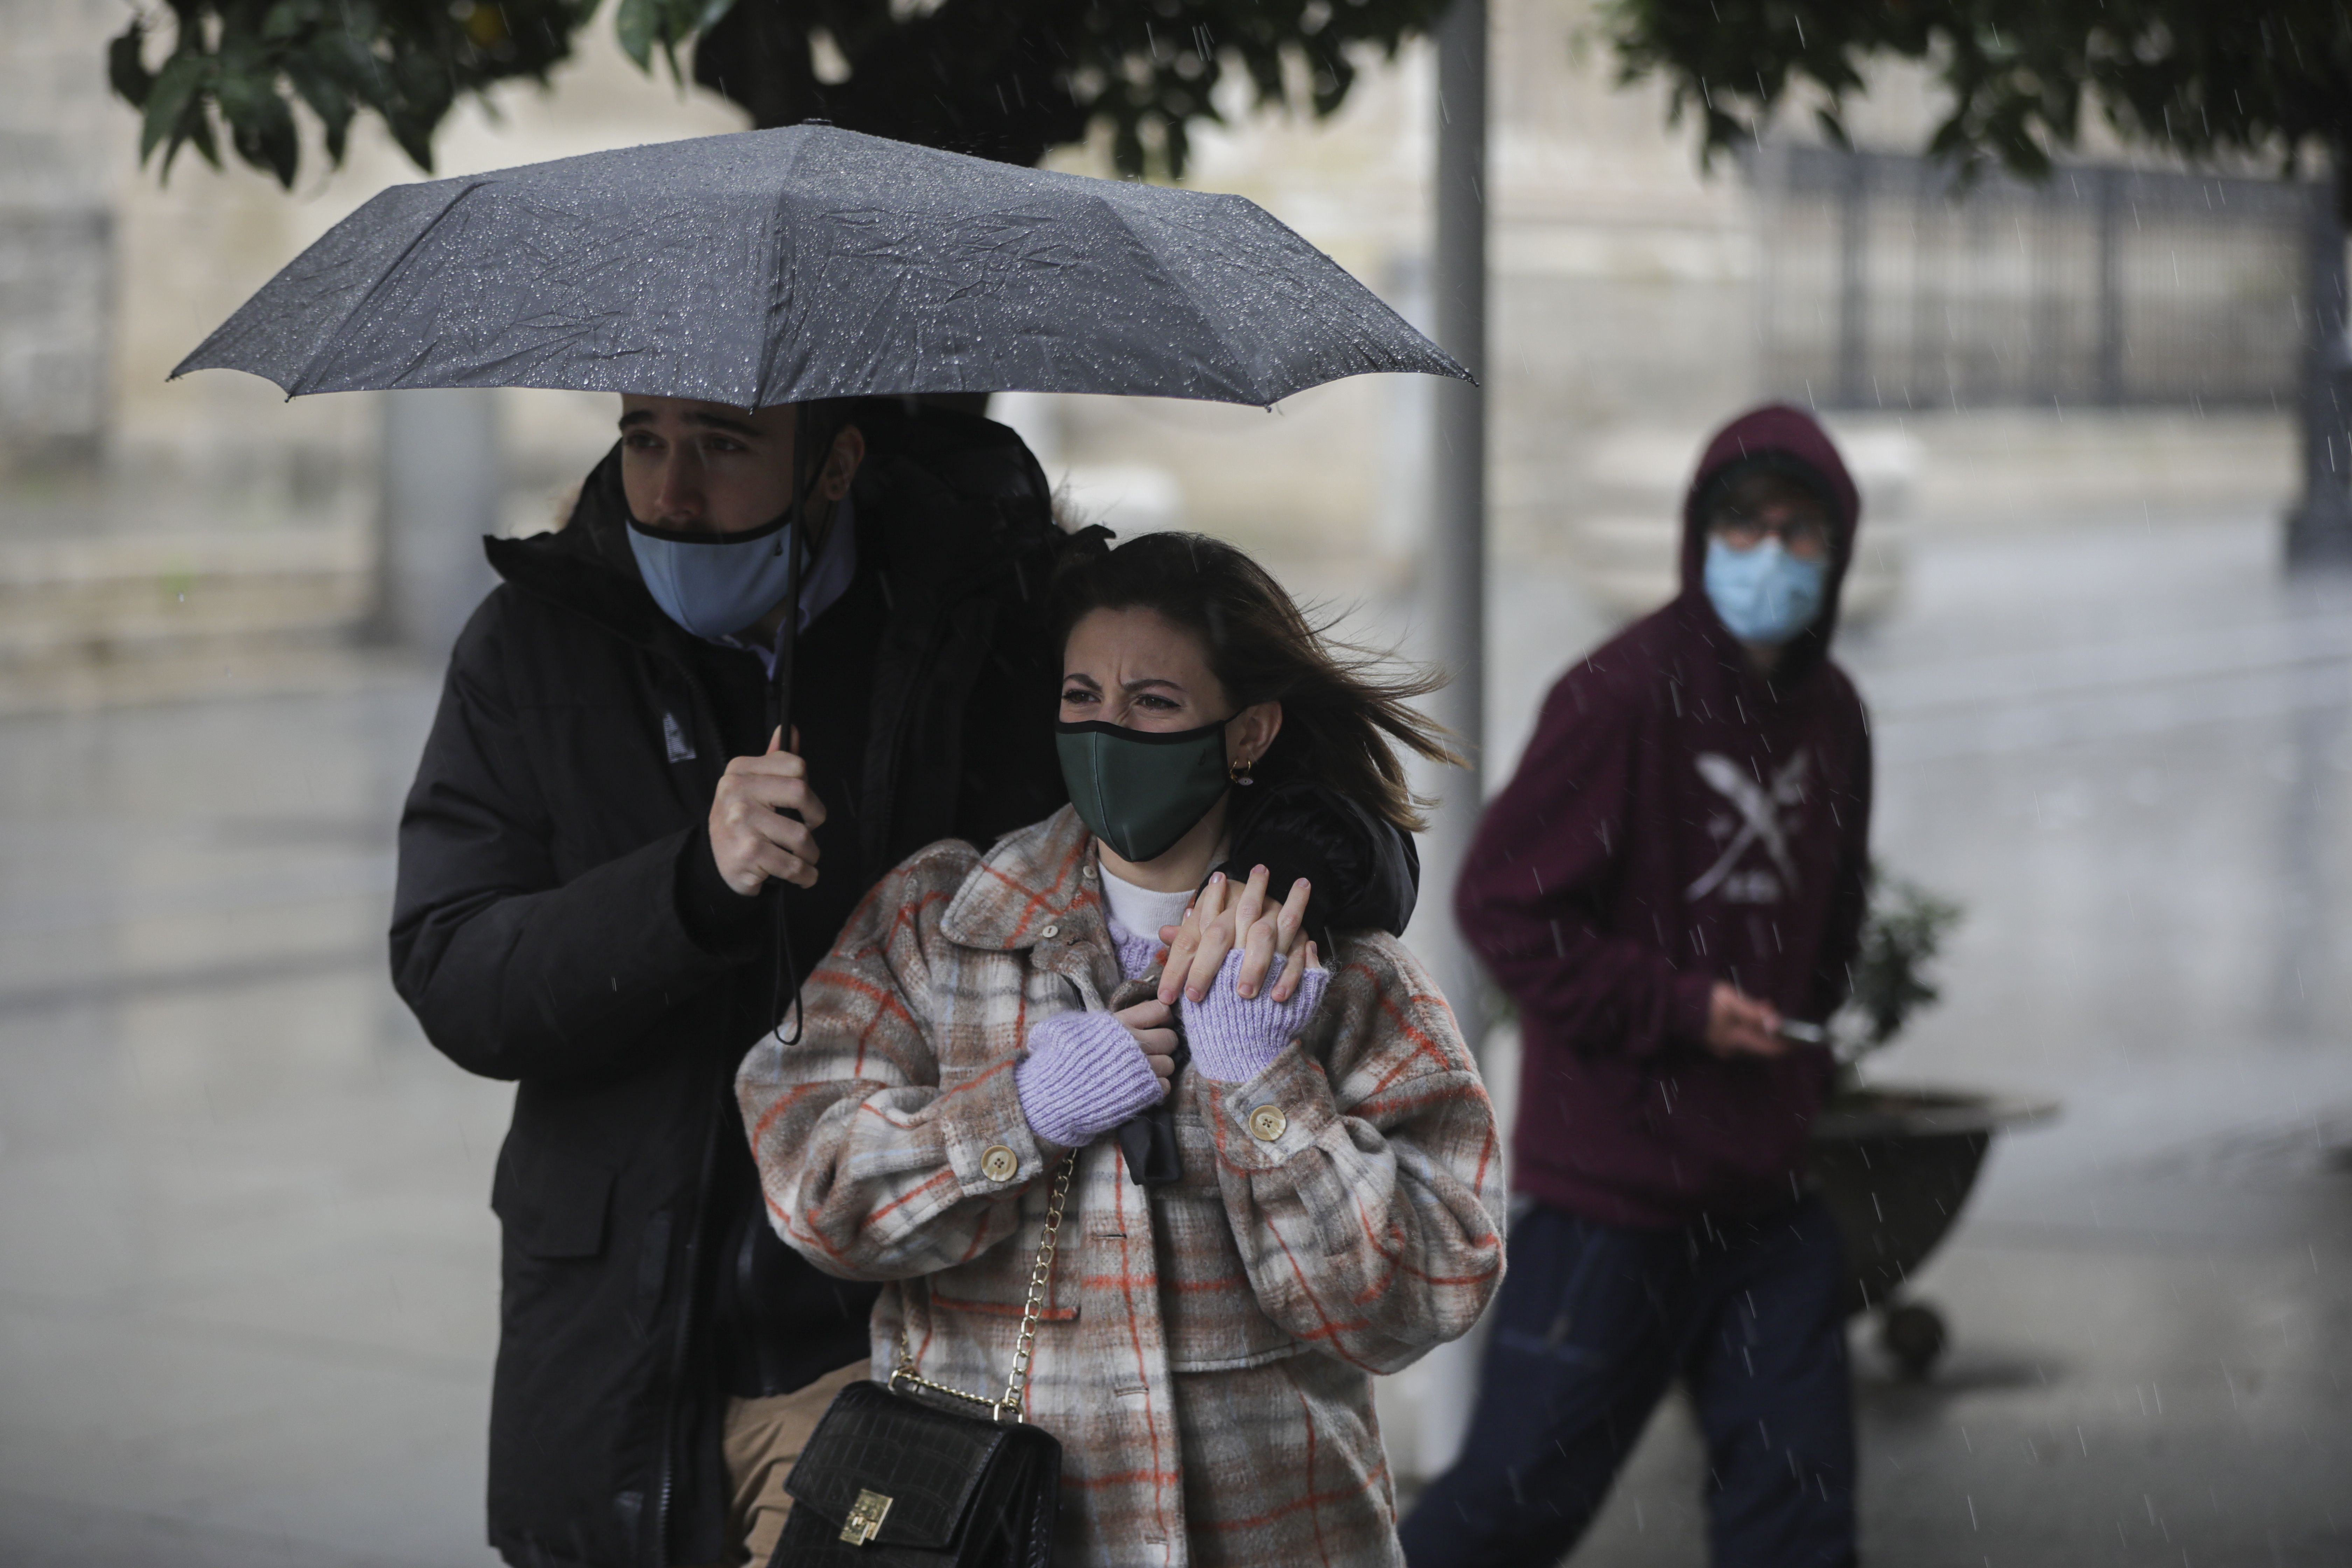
{"points": [[1083, 1076], [1232, 1039], [1136, 953]]}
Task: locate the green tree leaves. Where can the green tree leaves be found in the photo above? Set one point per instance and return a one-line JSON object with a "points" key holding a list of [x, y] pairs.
{"points": [[1012, 78], [645, 23], [1002, 78], [2201, 78], [244, 63], [175, 110]]}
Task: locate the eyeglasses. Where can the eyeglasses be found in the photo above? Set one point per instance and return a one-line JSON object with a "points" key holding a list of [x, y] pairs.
{"points": [[1807, 538]]}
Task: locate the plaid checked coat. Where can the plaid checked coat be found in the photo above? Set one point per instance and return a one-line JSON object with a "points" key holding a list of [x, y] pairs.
{"points": [[1206, 1349]]}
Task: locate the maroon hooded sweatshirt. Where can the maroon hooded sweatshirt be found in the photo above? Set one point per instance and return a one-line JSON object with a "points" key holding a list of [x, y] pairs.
{"points": [[1679, 819]]}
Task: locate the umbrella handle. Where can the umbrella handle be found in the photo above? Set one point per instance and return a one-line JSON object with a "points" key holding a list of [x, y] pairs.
{"points": [[780, 690], [780, 702], [781, 699]]}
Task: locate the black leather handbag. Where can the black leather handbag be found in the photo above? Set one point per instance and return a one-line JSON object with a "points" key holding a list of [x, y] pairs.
{"points": [[894, 1477]]}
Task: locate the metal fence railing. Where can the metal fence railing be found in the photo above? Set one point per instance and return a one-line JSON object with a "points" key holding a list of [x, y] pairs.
{"points": [[1885, 285]]}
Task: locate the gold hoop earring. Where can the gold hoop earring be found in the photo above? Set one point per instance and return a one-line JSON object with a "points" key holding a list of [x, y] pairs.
{"points": [[1238, 770]]}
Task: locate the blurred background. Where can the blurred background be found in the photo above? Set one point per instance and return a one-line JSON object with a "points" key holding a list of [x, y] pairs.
{"points": [[250, 1293]]}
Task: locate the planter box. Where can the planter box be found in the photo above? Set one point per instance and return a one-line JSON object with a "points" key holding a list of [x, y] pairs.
{"points": [[1895, 1166]]}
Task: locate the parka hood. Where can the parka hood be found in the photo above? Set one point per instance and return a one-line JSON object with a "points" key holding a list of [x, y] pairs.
{"points": [[1792, 440], [587, 565]]}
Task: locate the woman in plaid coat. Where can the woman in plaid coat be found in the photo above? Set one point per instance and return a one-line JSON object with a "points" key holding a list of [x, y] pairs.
{"points": [[1206, 1344]]}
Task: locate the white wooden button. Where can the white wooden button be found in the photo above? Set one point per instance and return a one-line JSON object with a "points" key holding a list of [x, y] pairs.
{"points": [[999, 1163], [1051, 930], [1267, 1122]]}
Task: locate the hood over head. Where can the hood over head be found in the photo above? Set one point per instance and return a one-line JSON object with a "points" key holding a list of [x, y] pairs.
{"points": [[1790, 441]]}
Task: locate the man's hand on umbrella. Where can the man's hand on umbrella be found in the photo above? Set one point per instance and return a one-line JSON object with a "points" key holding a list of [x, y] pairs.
{"points": [[751, 837], [1737, 1025]]}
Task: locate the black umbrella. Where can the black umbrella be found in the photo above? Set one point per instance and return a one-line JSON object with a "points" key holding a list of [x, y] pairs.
{"points": [[784, 265]]}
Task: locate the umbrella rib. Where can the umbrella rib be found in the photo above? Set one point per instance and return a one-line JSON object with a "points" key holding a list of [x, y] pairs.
{"points": [[383, 278], [782, 299], [1204, 308]]}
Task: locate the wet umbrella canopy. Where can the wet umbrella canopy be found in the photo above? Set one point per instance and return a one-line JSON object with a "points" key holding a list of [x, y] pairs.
{"points": [[784, 266]]}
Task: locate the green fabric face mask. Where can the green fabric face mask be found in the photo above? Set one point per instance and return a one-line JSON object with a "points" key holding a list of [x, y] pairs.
{"points": [[1142, 790]]}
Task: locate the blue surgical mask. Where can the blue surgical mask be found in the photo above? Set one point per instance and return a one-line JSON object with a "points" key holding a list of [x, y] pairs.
{"points": [[1764, 594], [715, 585]]}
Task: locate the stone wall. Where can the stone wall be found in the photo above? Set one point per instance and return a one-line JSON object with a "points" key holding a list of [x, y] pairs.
{"points": [[57, 234]]}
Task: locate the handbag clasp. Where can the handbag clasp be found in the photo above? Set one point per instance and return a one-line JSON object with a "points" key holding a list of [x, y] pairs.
{"points": [[865, 1516]]}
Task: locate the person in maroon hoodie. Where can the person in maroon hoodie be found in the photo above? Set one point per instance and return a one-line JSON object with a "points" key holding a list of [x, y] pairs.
{"points": [[1678, 868]]}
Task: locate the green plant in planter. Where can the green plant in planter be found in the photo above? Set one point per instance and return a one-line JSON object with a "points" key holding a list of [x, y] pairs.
{"points": [[1902, 933]]}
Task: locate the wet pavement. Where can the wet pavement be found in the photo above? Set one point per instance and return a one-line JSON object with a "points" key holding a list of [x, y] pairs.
{"points": [[249, 1296]]}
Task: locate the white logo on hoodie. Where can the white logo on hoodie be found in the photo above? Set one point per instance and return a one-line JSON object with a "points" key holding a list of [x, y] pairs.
{"points": [[1760, 807]]}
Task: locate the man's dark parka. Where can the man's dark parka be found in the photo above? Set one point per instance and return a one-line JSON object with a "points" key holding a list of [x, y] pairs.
{"points": [[538, 934]]}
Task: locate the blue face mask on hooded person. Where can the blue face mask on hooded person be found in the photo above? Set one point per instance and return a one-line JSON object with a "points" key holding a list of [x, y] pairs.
{"points": [[1764, 594], [715, 585]]}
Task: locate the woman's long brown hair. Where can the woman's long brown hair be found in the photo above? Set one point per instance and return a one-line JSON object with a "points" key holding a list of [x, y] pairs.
{"points": [[1345, 708]]}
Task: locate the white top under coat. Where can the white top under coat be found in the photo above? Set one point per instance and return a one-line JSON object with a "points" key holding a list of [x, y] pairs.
{"points": [[1140, 911]]}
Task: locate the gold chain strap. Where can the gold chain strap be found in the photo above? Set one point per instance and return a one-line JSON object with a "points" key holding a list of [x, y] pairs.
{"points": [[1016, 1386]]}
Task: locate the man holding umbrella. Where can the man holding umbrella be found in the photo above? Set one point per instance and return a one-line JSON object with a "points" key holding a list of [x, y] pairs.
{"points": [[621, 850], [577, 911]]}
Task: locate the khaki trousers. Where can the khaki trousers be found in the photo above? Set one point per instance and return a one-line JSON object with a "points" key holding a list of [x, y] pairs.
{"points": [[763, 1439]]}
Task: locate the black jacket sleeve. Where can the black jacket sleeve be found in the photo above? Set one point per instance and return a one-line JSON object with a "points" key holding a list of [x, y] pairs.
{"points": [[514, 973], [1365, 873]]}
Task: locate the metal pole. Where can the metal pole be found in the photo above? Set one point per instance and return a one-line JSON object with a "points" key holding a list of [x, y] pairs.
{"points": [[1456, 580], [2110, 371], [1454, 612], [2319, 529], [440, 484]]}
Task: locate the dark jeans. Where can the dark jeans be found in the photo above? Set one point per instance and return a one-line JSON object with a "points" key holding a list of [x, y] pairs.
{"points": [[1592, 1324]]}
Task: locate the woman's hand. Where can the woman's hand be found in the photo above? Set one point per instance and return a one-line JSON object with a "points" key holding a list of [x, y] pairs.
{"points": [[1081, 1076], [1218, 922], [1154, 1029]]}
